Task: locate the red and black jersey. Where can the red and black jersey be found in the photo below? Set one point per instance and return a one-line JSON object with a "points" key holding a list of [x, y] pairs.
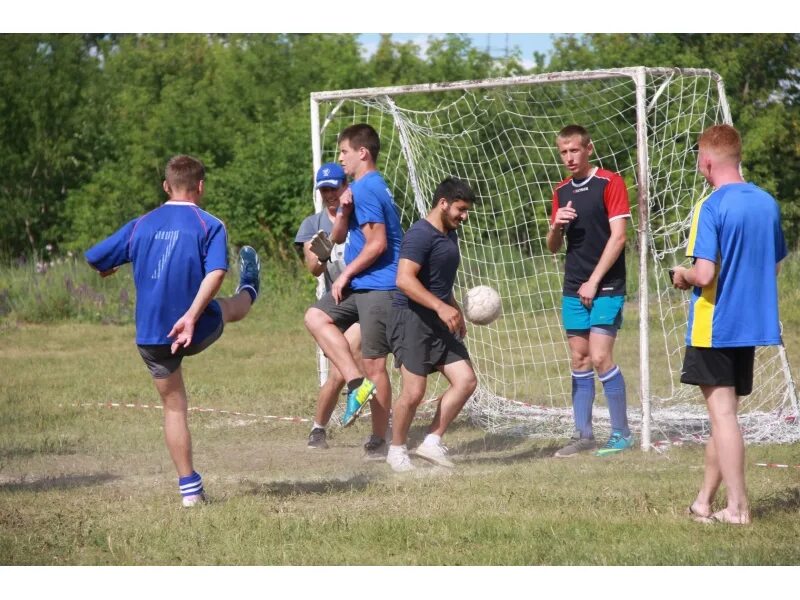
{"points": [[598, 200]]}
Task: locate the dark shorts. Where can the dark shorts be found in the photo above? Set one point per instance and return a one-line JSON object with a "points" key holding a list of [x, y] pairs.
{"points": [[162, 363], [420, 345], [371, 309], [728, 367]]}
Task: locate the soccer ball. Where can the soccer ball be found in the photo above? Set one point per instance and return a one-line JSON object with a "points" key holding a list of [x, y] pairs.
{"points": [[482, 305]]}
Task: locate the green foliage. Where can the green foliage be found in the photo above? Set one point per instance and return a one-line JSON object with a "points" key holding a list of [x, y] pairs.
{"points": [[87, 122], [762, 84]]}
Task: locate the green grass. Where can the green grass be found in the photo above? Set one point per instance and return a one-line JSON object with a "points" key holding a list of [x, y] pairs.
{"points": [[93, 485]]}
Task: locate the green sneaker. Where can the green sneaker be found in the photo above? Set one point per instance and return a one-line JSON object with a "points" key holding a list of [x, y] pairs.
{"points": [[356, 401], [249, 271], [616, 443]]}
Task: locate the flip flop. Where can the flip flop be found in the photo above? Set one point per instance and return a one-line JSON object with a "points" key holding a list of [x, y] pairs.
{"points": [[721, 517], [696, 516]]}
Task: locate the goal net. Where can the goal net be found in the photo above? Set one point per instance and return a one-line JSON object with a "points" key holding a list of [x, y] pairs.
{"points": [[499, 135]]}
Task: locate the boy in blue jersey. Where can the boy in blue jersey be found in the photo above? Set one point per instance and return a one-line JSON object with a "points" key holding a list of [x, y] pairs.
{"points": [[180, 256], [427, 325], [736, 243], [590, 209], [328, 261], [369, 220]]}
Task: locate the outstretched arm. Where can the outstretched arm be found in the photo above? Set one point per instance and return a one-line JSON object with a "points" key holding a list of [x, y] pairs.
{"points": [[183, 330]]}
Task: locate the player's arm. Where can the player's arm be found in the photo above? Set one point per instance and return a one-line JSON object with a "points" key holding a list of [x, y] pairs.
{"points": [[339, 230], [183, 330], [408, 282], [701, 274], [561, 217], [314, 265], [613, 248], [108, 256], [374, 245]]}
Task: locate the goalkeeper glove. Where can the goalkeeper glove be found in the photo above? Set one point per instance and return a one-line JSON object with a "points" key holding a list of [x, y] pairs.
{"points": [[322, 246]]}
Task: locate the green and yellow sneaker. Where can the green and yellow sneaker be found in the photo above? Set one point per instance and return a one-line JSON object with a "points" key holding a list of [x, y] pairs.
{"points": [[356, 401]]}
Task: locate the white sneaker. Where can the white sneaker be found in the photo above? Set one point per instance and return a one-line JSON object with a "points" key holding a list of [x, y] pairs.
{"points": [[193, 500], [398, 459], [435, 453]]}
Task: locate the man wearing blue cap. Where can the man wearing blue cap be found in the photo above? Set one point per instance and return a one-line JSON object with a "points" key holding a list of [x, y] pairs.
{"points": [[327, 260]]}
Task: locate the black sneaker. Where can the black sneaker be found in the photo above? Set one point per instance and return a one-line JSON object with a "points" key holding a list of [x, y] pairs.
{"points": [[375, 449], [249, 270], [317, 439]]}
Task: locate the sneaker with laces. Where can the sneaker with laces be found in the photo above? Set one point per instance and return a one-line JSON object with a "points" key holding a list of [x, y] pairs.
{"points": [[318, 439], [616, 443], [435, 453], [356, 401], [193, 500], [374, 449], [576, 445], [397, 458], [249, 270]]}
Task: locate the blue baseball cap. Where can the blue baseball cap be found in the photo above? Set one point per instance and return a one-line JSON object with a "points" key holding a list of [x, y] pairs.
{"points": [[330, 175]]}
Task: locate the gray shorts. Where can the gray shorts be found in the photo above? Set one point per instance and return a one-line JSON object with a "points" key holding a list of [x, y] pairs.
{"points": [[370, 308], [162, 363], [422, 344]]}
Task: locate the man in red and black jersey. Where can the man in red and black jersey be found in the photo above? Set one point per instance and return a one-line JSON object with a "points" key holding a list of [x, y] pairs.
{"points": [[590, 209]]}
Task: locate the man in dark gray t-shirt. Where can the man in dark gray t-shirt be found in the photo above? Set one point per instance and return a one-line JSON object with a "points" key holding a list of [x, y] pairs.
{"points": [[427, 325]]}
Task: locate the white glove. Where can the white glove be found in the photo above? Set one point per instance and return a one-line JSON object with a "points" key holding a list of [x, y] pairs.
{"points": [[322, 246]]}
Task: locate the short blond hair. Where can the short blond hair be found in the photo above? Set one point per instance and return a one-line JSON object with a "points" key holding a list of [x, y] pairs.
{"points": [[573, 130], [723, 141]]}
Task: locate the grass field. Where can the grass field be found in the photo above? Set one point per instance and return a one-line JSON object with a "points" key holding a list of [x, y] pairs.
{"points": [[82, 483]]}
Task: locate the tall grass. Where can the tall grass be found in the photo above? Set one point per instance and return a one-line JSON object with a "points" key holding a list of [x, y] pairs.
{"points": [[68, 289]]}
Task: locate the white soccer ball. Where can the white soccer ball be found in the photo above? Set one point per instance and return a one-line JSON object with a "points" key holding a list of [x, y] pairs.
{"points": [[482, 305]]}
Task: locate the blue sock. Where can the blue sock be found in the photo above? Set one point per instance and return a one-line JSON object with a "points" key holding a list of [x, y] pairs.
{"points": [[191, 484], [614, 389], [582, 400]]}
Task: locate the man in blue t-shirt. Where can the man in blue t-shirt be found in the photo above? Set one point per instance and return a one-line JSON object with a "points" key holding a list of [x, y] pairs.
{"points": [[326, 259], [369, 219], [427, 325], [736, 243], [179, 254]]}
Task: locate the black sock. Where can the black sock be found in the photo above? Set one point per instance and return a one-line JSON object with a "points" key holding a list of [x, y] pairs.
{"points": [[354, 383]]}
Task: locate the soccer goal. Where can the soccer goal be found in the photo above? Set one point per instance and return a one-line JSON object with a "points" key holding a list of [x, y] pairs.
{"points": [[499, 135]]}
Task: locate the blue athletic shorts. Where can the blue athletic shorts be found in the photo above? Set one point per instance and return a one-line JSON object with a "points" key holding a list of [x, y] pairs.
{"points": [[605, 314]]}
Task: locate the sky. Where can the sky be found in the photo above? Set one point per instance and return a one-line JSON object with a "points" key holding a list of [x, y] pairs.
{"points": [[527, 43]]}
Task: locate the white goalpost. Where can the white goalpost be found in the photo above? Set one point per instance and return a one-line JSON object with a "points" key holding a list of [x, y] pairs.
{"points": [[499, 135]]}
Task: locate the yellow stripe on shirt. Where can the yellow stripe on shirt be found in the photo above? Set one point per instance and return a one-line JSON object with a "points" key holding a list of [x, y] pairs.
{"points": [[693, 227], [704, 315]]}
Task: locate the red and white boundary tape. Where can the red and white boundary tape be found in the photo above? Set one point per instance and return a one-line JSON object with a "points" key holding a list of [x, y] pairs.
{"points": [[197, 409], [777, 466]]}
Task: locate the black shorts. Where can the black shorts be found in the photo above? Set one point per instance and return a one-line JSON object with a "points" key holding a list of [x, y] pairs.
{"points": [[370, 308], [421, 345], [729, 367], [162, 362]]}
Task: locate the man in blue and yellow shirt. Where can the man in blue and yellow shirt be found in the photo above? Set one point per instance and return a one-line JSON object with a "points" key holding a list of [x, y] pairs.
{"points": [[736, 244]]}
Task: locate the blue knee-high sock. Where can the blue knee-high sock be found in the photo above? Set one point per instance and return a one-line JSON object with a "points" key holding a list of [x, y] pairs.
{"points": [[582, 400], [191, 484], [614, 389]]}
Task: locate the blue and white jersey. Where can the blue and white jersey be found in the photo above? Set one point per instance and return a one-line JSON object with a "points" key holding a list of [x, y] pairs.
{"points": [[738, 227], [172, 249], [373, 203]]}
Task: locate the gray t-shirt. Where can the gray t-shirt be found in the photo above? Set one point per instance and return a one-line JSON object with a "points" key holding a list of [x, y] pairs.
{"points": [[310, 226]]}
